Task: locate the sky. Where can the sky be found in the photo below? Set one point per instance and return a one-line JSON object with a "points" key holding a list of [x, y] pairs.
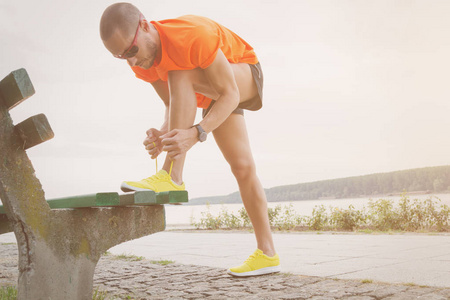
{"points": [[351, 88]]}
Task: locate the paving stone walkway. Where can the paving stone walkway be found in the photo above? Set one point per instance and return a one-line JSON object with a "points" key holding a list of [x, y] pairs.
{"points": [[126, 278]]}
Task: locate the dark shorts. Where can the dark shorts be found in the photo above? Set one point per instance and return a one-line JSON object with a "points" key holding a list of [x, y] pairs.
{"points": [[252, 104]]}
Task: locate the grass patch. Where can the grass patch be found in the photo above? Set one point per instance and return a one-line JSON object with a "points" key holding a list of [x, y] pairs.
{"points": [[410, 284], [103, 295], [366, 281], [286, 274], [8, 293], [99, 295], [5, 244], [379, 216], [128, 257], [162, 262], [365, 230]]}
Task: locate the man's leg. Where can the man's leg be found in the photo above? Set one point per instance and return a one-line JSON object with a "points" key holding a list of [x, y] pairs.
{"points": [[232, 139], [183, 103], [183, 107]]}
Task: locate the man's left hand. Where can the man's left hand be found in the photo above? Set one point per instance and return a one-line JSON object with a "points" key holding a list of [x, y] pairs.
{"points": [[178, 141]]}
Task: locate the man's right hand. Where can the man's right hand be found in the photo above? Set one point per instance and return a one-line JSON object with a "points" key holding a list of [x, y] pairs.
{"points": [[152, 142]]}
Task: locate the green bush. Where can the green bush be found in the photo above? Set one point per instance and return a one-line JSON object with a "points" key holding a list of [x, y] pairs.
{"points": [[284, 218], [273, 214], [410, 213], [208, 221], [245, 218], [346, 219], [437, 218], [382, 214], [230, 221], [224, 220], [319, 218]]}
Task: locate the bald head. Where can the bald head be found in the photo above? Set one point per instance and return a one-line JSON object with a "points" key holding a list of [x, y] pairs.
{"points": [[119, 16]]}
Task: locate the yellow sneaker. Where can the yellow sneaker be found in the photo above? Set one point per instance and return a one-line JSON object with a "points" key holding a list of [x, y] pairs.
{"points": [[257, 264], [160, 182]]}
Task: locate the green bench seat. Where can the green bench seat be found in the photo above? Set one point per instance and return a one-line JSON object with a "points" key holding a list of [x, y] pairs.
{"points": [[114, 199]]}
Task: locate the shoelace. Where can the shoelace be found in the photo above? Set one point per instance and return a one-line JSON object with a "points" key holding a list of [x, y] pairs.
{"points": [[158, 177], [252, 257], [156, 160]]}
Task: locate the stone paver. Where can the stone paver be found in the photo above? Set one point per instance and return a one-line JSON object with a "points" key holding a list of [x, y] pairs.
{"points": [[399, 258], [142, 279]]}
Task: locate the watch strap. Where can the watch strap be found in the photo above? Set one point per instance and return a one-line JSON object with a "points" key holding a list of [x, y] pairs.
{"points": [[201, 133]]}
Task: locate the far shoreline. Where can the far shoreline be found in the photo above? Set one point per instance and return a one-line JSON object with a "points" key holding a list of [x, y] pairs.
{"points": [[396, 194]]}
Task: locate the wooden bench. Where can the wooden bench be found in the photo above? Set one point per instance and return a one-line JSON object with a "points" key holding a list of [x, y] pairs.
{"points": [[114, 199], [61, 240]]}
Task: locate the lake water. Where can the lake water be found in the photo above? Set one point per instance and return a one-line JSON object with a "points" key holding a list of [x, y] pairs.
{"points": [[179, 216]]}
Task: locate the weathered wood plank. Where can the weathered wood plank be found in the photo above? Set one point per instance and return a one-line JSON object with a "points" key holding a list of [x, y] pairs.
{"points": [[152, 198], [34, 130], [101, 199], [172, 197], [15, 88], [91, 200], [145, 198], [138, 198], [114, 199], [126, 199]]}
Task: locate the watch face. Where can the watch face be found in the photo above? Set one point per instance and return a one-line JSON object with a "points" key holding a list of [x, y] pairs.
{"points": [[202, 136]]}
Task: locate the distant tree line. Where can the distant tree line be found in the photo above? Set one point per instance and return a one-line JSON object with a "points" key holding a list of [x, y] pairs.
{"points": [[430, 179]]}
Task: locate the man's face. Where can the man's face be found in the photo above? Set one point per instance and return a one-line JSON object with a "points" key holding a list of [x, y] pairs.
{"points": [[138, 50]]}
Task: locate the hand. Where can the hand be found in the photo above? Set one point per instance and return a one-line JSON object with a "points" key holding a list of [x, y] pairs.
{"points": [[179, 141], [152, 142]]}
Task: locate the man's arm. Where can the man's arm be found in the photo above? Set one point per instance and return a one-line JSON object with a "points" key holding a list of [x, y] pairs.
{"points": [[153, 135], [221, 77], [162, 89]]}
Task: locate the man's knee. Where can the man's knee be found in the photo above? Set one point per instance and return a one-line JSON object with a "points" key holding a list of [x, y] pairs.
{"points": [[243, 169]]}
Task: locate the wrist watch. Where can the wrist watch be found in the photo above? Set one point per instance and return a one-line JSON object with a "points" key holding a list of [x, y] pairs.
{"points": [[202, 135]]}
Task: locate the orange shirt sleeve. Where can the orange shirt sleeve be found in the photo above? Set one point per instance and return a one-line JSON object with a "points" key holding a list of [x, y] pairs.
{"points": [[205, 45]]}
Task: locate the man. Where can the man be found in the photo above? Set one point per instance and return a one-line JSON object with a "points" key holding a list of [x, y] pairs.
{"points": [[189, 61]]}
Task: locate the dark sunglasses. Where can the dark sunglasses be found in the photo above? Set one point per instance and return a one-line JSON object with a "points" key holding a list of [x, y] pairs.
{"points": [[133, 49]]}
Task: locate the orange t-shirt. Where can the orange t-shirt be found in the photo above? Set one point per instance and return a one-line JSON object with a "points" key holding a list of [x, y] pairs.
{"points": [[190, 42]]}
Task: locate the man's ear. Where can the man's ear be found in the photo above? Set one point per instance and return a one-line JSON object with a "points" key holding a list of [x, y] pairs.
{"points": [[145, 25]]}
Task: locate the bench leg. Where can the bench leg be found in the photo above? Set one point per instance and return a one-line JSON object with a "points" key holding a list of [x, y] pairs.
{"points": [[60, 263], [54, 278]]}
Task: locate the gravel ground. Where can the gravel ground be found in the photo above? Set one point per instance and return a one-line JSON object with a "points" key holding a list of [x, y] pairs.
{"points": [[128, 278]]}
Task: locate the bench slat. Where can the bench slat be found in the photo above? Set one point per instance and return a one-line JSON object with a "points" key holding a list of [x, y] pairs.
{"points": [[15, 88], [172, 197], [145, 198], [138, 198], [34, 130], [98, 199], [114, 199]]}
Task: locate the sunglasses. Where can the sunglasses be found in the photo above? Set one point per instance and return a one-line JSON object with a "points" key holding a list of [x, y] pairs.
{"points": [[133, 49]]}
